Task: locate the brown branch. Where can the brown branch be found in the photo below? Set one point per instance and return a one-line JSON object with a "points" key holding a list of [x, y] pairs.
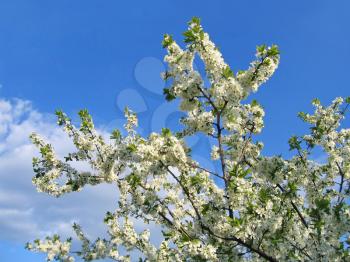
{"points": [[221, 152], [207, 97], [341, 179], [181, 229], [295, 208], [233, 238], [187, 193], [242, 243], [206, 170], [300, 249]]}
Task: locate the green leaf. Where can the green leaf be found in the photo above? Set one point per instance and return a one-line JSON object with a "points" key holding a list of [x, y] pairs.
{"points": [[131, 147], [323, 204], [168, 234], [244, 172], [338, 209], [235, 221], [108, 217], [55, 237], [61, 117], [251, 209], [169, 96], [260, 48], [185, 238], [240, 72], [293, 188], [316, 101], [227, 72], [75, 187], [302, 116], [195, 20], [205, 208], [264, 195], [167, 40], [83, 113], [133, 180], [196, 180], [68, 158], [273, 51], [294, 143], [347, 100], [86, 120], [195, 30], [166, 132], [74, 184], [254, 103], [116, 135], [189, 36]]}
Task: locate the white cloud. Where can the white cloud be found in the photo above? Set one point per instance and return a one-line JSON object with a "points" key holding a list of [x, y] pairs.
{"points": [[24, 213]]}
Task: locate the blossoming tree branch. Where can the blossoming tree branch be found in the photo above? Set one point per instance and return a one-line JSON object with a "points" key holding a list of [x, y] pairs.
{"points": [[256, 208]]}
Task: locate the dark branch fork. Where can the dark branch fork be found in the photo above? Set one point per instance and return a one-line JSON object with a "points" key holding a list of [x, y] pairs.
{"points": [[204, 227], [224, 176]]}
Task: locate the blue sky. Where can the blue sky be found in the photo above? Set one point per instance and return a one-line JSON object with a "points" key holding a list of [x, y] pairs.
{"points": [[102, 55]]}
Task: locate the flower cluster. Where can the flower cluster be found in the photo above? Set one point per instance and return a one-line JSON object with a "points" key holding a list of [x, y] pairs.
{"points": [[54, 247], [260, 70], [255, 208]]}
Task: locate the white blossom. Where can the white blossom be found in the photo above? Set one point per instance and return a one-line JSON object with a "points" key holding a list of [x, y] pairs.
{"points": [[254, 208]]}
